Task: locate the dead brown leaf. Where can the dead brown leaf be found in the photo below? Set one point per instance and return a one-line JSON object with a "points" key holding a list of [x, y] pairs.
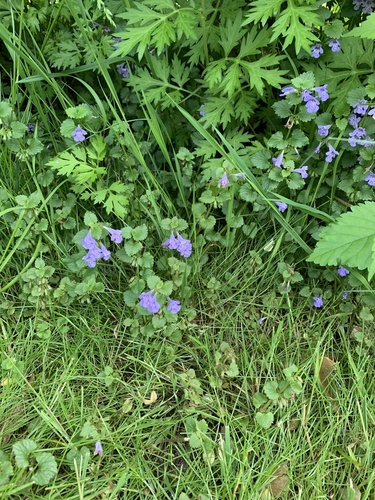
{"points": [[153, 398], [325, 375]]}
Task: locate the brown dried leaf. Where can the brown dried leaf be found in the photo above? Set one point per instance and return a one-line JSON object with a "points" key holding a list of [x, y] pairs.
{"points": [[279, 485], [325, 374]]}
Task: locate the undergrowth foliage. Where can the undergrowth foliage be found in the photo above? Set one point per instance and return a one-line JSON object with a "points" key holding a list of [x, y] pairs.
{"points": [[145, 138]]}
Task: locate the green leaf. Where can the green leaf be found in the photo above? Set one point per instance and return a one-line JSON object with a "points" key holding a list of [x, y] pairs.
{"points": [[18, 129], [335, 29], [22, 450], [298, 139], [186, 23], [259, 399], [282, 109], [90, 219], [271, 390], [47, 468], [265, 420], [6, 469], [366, 30], [350, 240], [132, 247], [153, 282], [35, 146], [88, 429], [130, 298], [260, 159], [5, 109], [139, 233], [67, 127], [77, 112]]}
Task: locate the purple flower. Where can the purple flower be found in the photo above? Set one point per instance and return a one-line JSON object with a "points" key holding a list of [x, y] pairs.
{"points": [[105, 253], [306, 95], [312, 105], [123, 70], [281, 206], [345, 295], [323, 130], [370, 113], [115, 234], [202, 111], [342, 271], [173, 306], [223, 181], [316, 51], [354, 120], [334, 44], [260, 320], [360, 107], [322, 92], [149, 302], [287, 90], [98, 449], [279, 160], [357, 133], [302, 171], [370, 179], [117, 40], [241, 175], [88, 242], [31, 126], [318, 301], [331, 153], [79, 134], [317, 149], [183, 246]]}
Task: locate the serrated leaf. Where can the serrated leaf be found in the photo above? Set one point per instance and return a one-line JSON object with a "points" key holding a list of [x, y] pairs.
{"points": [[265, 420], [35, 146], [5, 109], [139, 233], [260, 159], [366, 30], [185, 24], [47, 468], [130, 298], [18, 129], [77, 112], [282, 109], [335, 29], [90, 219], [132, 247], [6, 469], [67, 127], [22, 450], [350, 240]]}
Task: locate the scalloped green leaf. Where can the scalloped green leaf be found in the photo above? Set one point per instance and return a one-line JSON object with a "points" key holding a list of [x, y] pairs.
{"points": [[350, 240], [47, 468], [22, 450]]}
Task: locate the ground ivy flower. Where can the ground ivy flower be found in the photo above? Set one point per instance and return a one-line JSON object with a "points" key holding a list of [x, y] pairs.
{"points": [[370, 179], [342, 271], [223, 181], [115, 234], [88, 242], [322, 92], [202, 111], [173, 306], [183, 246], [241, 175], [312, 106], [318, 301], [354, 120], [260, 320], [334, 44], [94, 252], [357, 133], [331, 153], [317, 149], [123, 70], [281, 206], [302, 171], [31, 126], [98, 449], [117, 40], [323, 130], [79, 134], [287, 90], [370, 113], [149, 302], [360, 107], [345, 295], [316, 51], [279, 160], [105, 253]]}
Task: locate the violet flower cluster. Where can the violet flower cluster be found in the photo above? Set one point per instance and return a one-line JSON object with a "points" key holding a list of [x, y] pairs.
{"points": [[182, 245], [149, 302], [311, 101], [96, 252], [318, 301]]}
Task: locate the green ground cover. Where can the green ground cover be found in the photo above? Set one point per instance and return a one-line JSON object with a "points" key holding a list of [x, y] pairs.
{"points": [[165, 330]]}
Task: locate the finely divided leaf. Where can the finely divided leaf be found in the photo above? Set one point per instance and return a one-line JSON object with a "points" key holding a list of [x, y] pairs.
{"points": [[349, 241]]}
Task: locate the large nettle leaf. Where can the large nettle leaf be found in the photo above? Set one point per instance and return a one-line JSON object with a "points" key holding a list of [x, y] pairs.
{"points": [[349, 241]]}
